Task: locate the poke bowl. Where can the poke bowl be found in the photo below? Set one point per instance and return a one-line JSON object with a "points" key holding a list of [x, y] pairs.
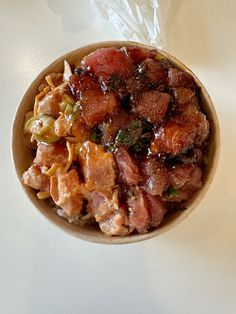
{"points": [[115, 142]]}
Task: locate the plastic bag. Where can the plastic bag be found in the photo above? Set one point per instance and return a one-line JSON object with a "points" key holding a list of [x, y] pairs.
{"points": [[138, 20]]}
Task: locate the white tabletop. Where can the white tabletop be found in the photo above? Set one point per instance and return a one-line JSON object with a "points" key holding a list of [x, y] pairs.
{"points": [[191, 269]]}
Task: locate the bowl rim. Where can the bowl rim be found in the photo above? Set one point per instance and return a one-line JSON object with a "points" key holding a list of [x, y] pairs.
{"points": [[130, 238]]}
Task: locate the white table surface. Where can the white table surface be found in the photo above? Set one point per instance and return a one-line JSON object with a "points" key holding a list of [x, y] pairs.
{"points": [[191, 269]]}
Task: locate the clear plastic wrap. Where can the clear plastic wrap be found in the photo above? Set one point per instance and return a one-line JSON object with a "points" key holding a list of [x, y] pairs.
{"points": [[138, 20]]}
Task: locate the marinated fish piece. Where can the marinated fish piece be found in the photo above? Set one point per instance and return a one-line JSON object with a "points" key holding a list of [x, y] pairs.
{"points": [[36, 179], [49, 154], [138, 54], [153, 72], [152, 105], [181, 175], [156, 176], [96, 106], [117, 224], [81, 82], [203, 128], [66, 190], [185, 180], [174, 138], [128, 169], [189, 114], [157, 209], [103, 204], [105, 62], [73, 127], [98, 167], [139, 217], [178, 78], [183, 95]]}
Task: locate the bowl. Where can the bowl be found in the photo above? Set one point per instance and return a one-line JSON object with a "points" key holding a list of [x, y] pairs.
{"points": [[22, 156]]}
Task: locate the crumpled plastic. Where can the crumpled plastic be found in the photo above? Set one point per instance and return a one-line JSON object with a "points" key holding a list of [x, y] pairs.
{"points": [[137, 20]]}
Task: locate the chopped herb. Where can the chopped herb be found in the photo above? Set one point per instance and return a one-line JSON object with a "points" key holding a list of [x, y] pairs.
{"points": [[172, 191], [136, 124], [127, 137], [131, 135], [96, 136], [141, 144], [146, 126], [110, 148]]}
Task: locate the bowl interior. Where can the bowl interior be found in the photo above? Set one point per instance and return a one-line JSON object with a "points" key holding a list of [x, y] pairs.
{"points": [[22, 156]]}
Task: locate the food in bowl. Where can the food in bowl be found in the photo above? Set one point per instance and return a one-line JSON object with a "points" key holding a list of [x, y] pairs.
{"points": [[118, 141]]}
